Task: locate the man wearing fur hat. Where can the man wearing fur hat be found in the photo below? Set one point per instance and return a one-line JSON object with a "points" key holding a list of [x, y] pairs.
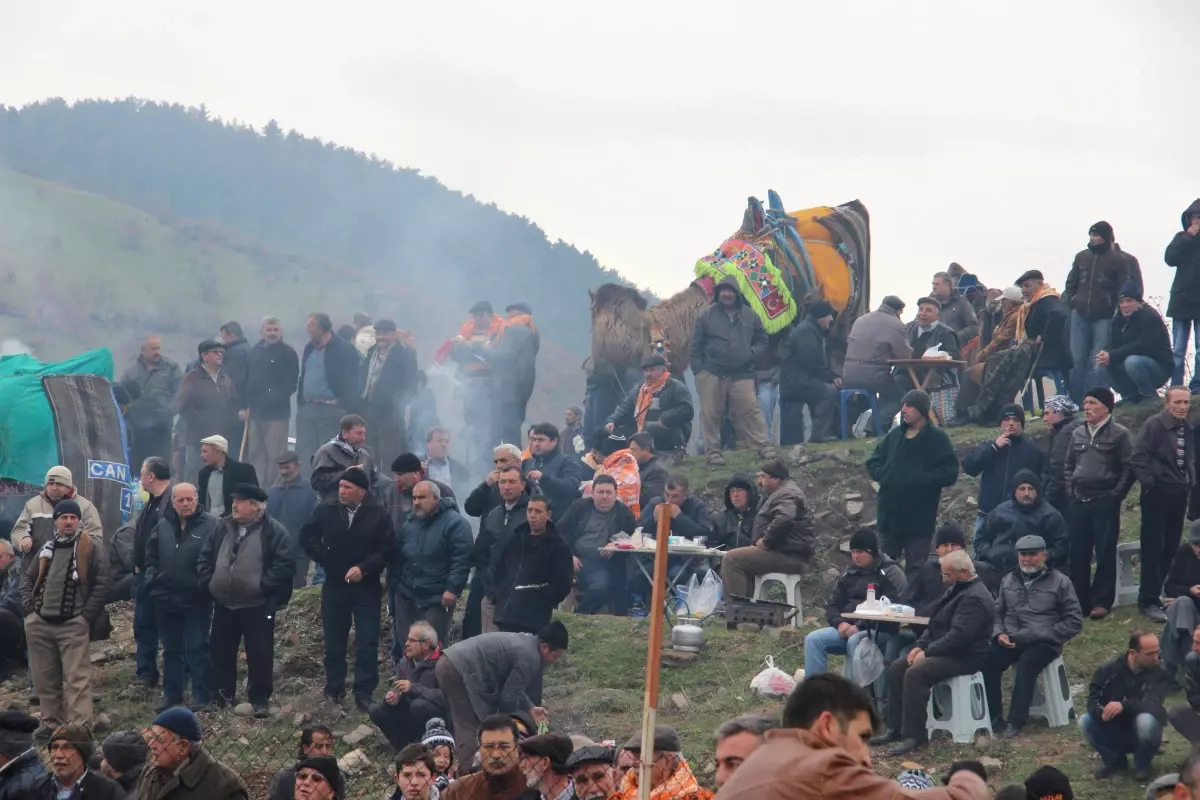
{"points": [[1138, 355], [20, 767], [1099, 472], [70, 748], [807, 378], [1091, 292], [246, 566], [875, 339], [63, 593], [912, 464], [36, 523]]}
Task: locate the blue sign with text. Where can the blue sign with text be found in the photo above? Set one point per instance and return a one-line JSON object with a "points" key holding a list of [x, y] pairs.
{"points": [[108, 471]]}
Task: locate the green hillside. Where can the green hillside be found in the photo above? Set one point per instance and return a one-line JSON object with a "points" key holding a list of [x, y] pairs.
{"points": [[83, 271]]}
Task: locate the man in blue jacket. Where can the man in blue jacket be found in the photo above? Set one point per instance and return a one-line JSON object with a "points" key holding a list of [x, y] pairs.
{"points": [[290, 502], [1025, 513], [550, 472], [998, 461]]}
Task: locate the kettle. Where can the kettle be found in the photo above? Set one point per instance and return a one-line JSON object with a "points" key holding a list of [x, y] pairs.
{"points": [[688, 638]]}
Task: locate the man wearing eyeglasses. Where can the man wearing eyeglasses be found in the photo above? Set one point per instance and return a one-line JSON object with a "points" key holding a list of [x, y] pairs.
{"points": [[592, 773], [317, 778], [501, 777], [668, 768], [179, 767], [414, 697]]}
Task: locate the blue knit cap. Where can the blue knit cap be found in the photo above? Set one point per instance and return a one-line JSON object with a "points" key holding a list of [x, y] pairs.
{"points": [[181, 722]]}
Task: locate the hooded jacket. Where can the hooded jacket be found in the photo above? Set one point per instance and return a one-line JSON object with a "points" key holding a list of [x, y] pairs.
{"points": [[1100, 466], [732, 528], [1183, 253], [173, 559], [726, 346], [1039, 609], [875, 339], [1054, 479], [851, 587], [785, 521], [805, 358], [961, 627], [911, 474], [1154, 456], [999, 467], [432, 556], [996, 543], [1142, 333], [1095, 280], [532, 576]]}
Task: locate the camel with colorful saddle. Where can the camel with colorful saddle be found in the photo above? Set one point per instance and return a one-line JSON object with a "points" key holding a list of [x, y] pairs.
{"points": [[782, 261]]}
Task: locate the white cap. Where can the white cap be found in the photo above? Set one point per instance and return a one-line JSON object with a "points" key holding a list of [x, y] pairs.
{"points": [[1011, 293], [219, 442]]}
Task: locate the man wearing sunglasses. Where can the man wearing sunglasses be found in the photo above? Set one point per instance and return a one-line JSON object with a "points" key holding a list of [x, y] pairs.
{"points": [[317, 778]]}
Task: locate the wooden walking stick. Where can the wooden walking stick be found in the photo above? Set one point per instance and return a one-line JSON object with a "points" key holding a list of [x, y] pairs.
{"points": [[245, 434], [658, 595]]}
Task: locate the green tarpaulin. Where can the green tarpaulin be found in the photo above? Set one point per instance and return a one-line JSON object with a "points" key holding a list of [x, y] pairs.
{"points": [[28, 441]]}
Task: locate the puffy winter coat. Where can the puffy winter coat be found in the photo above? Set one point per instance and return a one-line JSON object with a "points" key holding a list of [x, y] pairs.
{"points": [[999, 466], [851, 587], [432, 555], [727, 346], [996, 543], [1041, 610], [1183, 253]]}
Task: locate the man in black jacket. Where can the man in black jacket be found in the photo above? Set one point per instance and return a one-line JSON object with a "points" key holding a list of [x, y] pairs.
{"points": [[1186, 718], [997, 462], [926, 332], [514, 372], [689, 514], [236, 365], [352, 541], [1025, 513], [954, 644], [1125, 711], [156, 480], [588, 525], [727, 342], [388, 378], [246, 567], [483, 502], [734, 526], [1138, 355], [274, 369], [431, 562], [1183, 253], [1060, 414], [184, 612], [413, 697], [533, 572], [1045, 318], [661, 406], [486, 496], [548, 471], [1164, 462], [220, 475], [1182, 590], [806, 378], [328, 389], [652, 472]]}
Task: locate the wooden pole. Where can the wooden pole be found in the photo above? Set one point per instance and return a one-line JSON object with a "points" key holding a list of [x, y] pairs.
{"points": [[658, 596], [246, 433]]}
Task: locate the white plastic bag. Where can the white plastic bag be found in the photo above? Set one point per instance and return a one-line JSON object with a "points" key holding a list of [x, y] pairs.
{"points": [[772, 681], [703, 597], [936, 352], [867, 664]]}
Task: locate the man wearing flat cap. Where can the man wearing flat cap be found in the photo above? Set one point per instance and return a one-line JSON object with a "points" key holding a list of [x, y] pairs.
{"points": [[925, 333], [208, 405], [544, 761], [1044, 318], [876, 338], [246, 566], [661, 406], [220, 474], [806, 377], [352, 541], [593, 776], [1037, 613], [290, 502], [667, 767], [388, 375]]}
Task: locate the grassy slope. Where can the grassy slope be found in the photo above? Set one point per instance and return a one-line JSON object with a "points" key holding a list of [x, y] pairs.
{"points": [[82, 271]]}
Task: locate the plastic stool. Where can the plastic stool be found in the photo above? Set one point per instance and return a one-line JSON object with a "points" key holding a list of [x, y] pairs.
{"points": [[1127, 587], [1052, 697], [791, 585], [1036, 383], [845, 396], [959, 705]]}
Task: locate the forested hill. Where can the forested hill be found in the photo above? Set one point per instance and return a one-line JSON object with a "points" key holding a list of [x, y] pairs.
{"points": [[308, 197]]}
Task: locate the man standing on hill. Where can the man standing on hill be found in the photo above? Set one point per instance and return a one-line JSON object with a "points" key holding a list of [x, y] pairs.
{"points": [[514, 372], [726, 343], [875, 339], [912, 464], [1164, 460], [471, 349], [1099, 474], [236, 366], [221, 474], [274, 369], [344, 451], [1183, 253], [389, 379], [208, 404], [150, 414], [998, 461], [328, 390]]}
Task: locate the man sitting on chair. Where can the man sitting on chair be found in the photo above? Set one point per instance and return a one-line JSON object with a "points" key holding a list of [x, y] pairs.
{"points": [[954, 644], [1037, 612]]}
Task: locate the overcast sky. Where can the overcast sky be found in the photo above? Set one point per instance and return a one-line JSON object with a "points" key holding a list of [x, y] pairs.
{"points": [[992, 134]]}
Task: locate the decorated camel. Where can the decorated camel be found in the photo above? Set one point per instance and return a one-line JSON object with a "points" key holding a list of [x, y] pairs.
{"points": [[782, 261]]}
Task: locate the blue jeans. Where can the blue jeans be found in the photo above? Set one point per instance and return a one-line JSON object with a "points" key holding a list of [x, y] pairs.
{"points": [[980, 521], [185, 642], [318, 576], [1138, 378], [823, 642], [1112, 740], [1180, 330], [768, 399], [1088, 337], [145, 631]]}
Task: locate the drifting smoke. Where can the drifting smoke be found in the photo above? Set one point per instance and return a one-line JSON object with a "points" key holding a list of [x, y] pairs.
{"points": [[14, 347]]}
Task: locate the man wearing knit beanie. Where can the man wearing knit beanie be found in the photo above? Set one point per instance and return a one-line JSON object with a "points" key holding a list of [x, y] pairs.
{"points": [[1091, 290], [177, 757], [997, 461], [1099, 473], [124, 755], [318, 778], [59, 485], [806, 377], [1139, 357], [867, 568], [782, 539], [912, 464], [875, 339], [70, 748]]}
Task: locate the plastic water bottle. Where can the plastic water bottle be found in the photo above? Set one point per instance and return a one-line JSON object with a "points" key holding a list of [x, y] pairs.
{"points": [[871, 604]]}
